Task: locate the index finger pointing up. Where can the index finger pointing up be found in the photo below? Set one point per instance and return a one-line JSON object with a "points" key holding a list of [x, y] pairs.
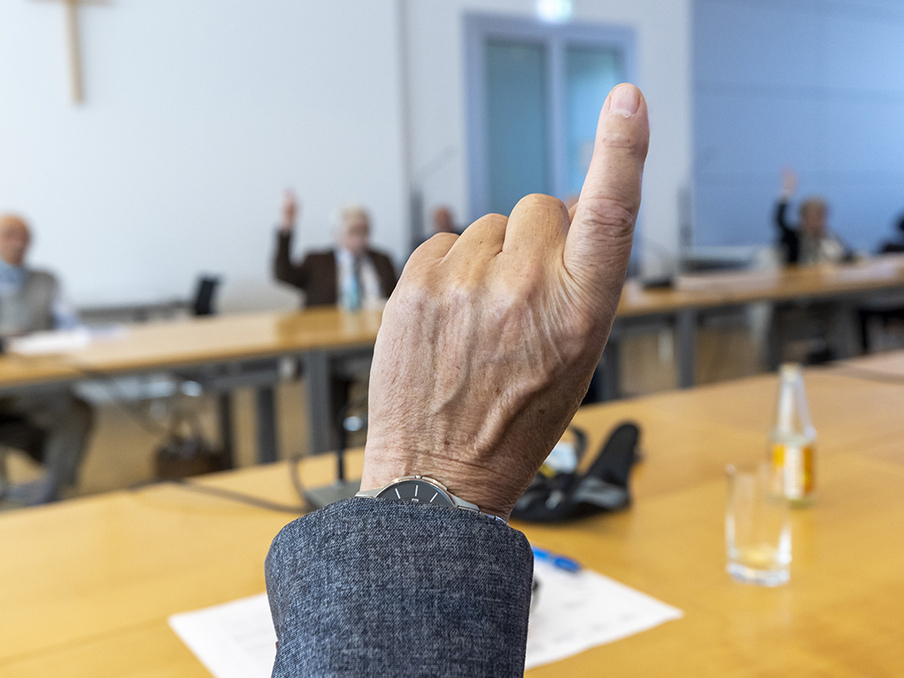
{"points": [[599, 240]]}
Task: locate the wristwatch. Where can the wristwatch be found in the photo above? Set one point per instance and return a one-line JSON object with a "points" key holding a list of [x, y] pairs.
{"points": [[423, 490]]}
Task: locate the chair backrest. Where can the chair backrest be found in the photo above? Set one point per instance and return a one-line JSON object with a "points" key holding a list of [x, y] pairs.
{"points": [[204, 296]]}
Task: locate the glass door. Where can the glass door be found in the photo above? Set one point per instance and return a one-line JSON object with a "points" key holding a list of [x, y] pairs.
{"points": [[590, 72], [516, 91], [534, 96]]}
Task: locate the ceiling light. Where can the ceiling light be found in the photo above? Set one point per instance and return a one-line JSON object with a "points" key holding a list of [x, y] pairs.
{"points": [[555, 11]]}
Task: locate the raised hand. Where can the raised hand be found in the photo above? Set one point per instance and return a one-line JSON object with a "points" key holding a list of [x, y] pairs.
{"points": [[490, 339], [789, 181], [290, 209]]}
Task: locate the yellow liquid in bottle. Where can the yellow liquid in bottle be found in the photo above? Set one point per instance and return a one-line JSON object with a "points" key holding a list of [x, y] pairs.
{"points": [[793, 460]]}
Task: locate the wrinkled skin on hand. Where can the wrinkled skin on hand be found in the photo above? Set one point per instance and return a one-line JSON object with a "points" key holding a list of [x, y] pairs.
{"points": [[488, 344]]}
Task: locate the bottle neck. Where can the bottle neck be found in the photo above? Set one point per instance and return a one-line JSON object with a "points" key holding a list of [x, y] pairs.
{"points": [[793, 413]]}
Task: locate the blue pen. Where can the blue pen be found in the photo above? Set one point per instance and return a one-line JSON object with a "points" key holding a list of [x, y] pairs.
{"points": [[555, 560]]}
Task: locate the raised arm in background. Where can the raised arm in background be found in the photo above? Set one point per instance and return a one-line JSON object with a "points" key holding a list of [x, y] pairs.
{"points": [[284, 269], [789, 237]]}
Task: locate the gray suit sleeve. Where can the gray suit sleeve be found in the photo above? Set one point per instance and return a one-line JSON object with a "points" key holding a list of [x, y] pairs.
{"points": [[371, 587]]}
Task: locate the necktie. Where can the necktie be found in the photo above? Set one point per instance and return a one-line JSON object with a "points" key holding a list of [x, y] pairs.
{"points": [[356, 288]]}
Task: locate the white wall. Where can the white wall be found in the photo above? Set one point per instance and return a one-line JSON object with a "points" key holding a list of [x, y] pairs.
{"points": [[437, 83], [199, 113]]}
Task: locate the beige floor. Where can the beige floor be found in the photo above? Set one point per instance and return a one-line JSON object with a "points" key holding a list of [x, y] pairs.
{"points": [[121, 451]]}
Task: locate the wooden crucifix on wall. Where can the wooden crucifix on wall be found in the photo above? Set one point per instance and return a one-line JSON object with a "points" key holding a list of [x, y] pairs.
{"points": [[76, 85]]}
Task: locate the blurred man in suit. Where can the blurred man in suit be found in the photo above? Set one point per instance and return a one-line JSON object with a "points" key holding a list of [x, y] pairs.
{"points": [[32, 301], [352, 274], [806, 243], [811, 241]]}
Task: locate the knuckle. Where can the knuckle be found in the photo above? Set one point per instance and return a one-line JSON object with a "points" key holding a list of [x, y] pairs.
{"points": [[539, 201], [461, 293], [491, 221], [411, 297], [489, 226], [437, 242]]}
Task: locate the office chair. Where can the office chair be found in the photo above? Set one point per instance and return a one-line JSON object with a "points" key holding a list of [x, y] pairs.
{"points": [[188, 453], [205, 293]]}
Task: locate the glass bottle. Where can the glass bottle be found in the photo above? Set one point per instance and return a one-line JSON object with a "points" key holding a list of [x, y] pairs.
{"points": [[793, 440]]}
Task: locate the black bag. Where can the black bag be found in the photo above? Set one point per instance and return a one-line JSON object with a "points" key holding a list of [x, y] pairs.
{"points": [[604, 487]]}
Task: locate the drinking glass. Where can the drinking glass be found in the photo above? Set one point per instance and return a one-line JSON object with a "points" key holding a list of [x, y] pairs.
{"points": [[757, 526]]}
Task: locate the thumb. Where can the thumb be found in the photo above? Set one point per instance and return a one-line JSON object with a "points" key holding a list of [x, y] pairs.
{"points": [[599, 241]]}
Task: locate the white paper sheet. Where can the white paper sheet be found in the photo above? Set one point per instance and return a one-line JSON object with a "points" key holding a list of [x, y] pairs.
{"points": [[54, 342], [50, 342], [234, 640], [573, 612]]}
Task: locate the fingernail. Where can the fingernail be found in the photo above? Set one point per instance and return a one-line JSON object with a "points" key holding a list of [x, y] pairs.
{"points": [[625, 100]]}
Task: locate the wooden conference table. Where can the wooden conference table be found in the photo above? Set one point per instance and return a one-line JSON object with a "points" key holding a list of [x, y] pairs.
{"points": [[87, 585], [221, 353], [226, 352], [843, 285]]}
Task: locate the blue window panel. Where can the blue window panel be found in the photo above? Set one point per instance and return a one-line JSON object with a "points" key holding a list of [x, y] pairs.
{"points": [[754, 44], [752, 131], [816, 84], [866, 52], [865, 136], [735, 213]]}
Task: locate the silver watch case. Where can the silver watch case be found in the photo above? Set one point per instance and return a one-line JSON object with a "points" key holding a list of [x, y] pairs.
{"points": [[399, 490]]}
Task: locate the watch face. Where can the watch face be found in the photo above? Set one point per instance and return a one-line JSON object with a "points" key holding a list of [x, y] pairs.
{"points": [[417, 491]]}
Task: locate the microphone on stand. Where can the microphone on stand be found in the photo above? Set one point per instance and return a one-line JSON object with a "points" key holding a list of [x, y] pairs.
{"points": [[348, 421]]}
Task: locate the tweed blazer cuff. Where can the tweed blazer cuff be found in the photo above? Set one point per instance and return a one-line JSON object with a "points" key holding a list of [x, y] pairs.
{"points": [[369, 587]]}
